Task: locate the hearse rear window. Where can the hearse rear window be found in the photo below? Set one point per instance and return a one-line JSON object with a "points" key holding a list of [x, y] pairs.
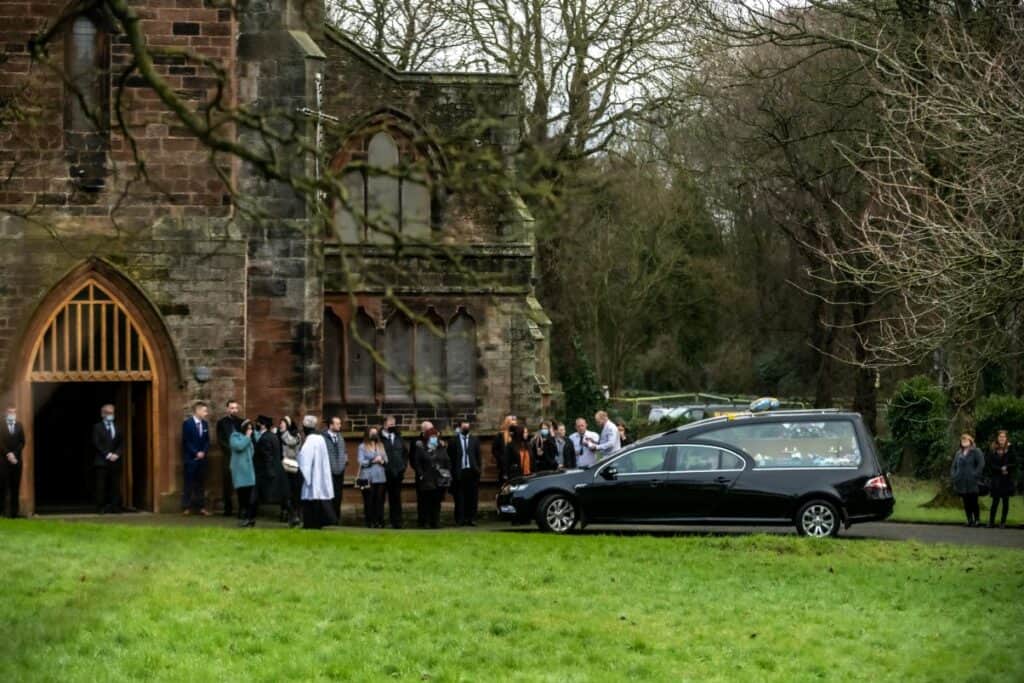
{"points": [[788, 445]]}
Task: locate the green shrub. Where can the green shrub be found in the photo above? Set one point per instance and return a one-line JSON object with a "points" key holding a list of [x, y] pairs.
{"points": [[583, 395], [999, 412], [918, 420]]}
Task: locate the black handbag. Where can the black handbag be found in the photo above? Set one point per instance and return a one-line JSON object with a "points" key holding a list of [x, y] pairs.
{"points": [[984, 486], [362, 483]]}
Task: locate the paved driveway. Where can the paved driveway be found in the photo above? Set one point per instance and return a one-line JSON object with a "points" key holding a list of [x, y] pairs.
{"points": [[890, 531]]}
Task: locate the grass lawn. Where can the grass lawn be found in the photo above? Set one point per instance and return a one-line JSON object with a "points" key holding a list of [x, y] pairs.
{"points": [[85, 602], [912, 494]]}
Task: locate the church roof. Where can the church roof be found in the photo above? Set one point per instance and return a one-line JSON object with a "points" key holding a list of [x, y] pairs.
{"points": [[350, 44]]}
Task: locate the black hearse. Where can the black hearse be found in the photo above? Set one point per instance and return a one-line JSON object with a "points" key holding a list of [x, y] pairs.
{"points": [[816, 469]]}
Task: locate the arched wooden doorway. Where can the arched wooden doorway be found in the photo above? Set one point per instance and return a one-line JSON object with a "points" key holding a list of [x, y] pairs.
{"points": [[94, 340]]}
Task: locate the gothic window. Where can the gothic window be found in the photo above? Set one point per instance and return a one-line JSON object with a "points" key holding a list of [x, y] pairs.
{"points": [[387, 191], [87, 101], [461, 357], [360, 368], [430, 358], [398, 352], [332, 357]]}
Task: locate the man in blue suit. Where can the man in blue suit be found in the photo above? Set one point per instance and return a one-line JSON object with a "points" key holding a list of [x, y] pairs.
{"points": [[195, 444]]}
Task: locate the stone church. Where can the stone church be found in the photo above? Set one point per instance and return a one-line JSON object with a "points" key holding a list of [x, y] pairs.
{"points": [[153, 290]]}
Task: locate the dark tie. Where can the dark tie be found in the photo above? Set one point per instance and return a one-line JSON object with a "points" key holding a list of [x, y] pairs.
{"points": [[110, 429]]}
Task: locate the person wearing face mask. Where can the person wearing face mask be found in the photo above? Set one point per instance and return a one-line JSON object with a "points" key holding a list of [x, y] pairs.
{"points": [[433, 476], [464, 451], [339, 461], [108, 448], [421, 510], [394, 446], [543, 452], [373, 459], [12, 443], [243, 473], [565, 454]]}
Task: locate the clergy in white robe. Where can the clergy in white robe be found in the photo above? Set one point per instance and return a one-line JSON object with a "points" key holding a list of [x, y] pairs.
{"points": [[317, 488]]}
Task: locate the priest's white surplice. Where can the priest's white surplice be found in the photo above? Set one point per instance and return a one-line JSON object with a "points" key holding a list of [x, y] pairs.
{"points": [[315, 465]]}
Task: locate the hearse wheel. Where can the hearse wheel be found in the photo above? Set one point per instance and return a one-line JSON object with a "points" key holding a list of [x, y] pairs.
{"points": [[558, 514], [819, 519]]}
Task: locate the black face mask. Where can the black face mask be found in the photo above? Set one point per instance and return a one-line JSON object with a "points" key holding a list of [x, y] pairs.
{"points": [[465, 430], [373, 437]]}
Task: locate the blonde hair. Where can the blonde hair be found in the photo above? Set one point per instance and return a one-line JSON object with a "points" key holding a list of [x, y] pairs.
{"points": [[967, 436]]}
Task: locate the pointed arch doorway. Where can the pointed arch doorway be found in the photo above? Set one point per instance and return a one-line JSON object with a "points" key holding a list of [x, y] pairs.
{"points": [[93, 340]]}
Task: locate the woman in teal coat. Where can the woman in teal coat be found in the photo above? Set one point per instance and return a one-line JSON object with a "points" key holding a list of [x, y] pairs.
{"points": [[243, 475]]}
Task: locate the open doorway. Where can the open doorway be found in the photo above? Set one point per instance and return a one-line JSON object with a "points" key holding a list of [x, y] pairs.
{"points": [[65, 413]]}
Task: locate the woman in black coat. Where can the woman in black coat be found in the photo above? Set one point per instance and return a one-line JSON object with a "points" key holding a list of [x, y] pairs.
{"points": [[433, 476], [516, 455], [1001, 463], [543, 451], [968, 467]]}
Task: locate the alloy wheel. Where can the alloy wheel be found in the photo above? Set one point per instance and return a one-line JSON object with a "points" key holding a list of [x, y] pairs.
{"points": [[818, 520], [560, 515]]}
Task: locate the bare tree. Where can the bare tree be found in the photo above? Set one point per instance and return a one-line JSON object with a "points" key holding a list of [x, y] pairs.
{"points": [[943, 237]]}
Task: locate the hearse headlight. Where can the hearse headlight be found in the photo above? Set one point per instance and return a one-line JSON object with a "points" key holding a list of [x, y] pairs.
{"points": [[516, 488]]}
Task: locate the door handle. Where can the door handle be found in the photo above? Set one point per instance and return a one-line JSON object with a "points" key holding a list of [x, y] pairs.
{"points": [[722, 480], [656, 482]]}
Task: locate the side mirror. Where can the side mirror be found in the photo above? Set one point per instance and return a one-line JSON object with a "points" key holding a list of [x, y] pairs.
{"points": [[609, 473]]}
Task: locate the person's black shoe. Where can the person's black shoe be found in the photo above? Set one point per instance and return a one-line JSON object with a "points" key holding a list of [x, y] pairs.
{"points": [[1002, 525], [990, 525], [471, 523]]}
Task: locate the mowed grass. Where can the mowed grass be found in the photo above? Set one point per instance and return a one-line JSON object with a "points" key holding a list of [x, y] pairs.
{"points": [[85, 602], [912, 494]]}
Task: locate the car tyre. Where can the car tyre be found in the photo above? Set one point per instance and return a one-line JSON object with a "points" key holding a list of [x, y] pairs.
{"points": [[558, 514], [818, 518]]}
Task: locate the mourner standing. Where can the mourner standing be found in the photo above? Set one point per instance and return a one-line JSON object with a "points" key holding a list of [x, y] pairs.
{"points": [[317, 489], [968, 466], [1002, 463], [226, 426], [107, 450], [12, 444], [195, 445], [394, 446], [339, 461], [464, 452]]}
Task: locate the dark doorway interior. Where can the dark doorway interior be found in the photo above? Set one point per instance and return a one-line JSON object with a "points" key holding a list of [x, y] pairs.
{"points": [[65, 413]]}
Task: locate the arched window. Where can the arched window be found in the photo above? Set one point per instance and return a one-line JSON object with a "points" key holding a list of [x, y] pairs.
{"points": [[430, 358], [87, 101], [388, 190], [332, 357], [398, 351], [360, 368], [461, 358]]}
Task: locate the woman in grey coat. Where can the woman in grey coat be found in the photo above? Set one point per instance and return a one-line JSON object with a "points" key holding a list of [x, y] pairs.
{"points": [[372, 476], [966, 472]]}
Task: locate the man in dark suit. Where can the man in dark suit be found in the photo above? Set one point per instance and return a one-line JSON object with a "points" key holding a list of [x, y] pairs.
{"points": [[339, 460], [195, 444], [107, 451], [395, 469], [12, 443], [464, 451], [226, 426]]}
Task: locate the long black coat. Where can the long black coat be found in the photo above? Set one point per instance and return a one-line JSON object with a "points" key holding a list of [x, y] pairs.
{"points": [[1002, 484], [429, 464], [271, 479], [967, 470], [543, 454]]}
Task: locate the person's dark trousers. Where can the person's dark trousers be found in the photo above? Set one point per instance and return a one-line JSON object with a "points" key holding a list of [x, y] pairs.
{"points": [[422, 506], [295, 485], [995, 505], [373, 506], [971, 508], [455, 489], [394, 494], [247, 503], [108, 486], [10, 484], [467, 497], [194, 495], [338, 480], [432, 507], [227, 488]]}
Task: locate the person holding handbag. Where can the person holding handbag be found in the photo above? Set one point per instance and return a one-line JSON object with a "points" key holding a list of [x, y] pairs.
{"points": [[372, 477], [288, 433], [1001, 463], [966, 472], [433, 476]]}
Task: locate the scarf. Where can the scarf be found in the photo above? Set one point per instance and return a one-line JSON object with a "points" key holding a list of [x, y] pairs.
{"points": [[524, 460]]}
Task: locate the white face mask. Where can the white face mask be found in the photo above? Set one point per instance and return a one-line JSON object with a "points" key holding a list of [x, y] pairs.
{"points": [[12, 418]]}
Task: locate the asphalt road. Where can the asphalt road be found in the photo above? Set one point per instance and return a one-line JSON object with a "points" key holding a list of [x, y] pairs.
{"points": [[887, 531]]}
